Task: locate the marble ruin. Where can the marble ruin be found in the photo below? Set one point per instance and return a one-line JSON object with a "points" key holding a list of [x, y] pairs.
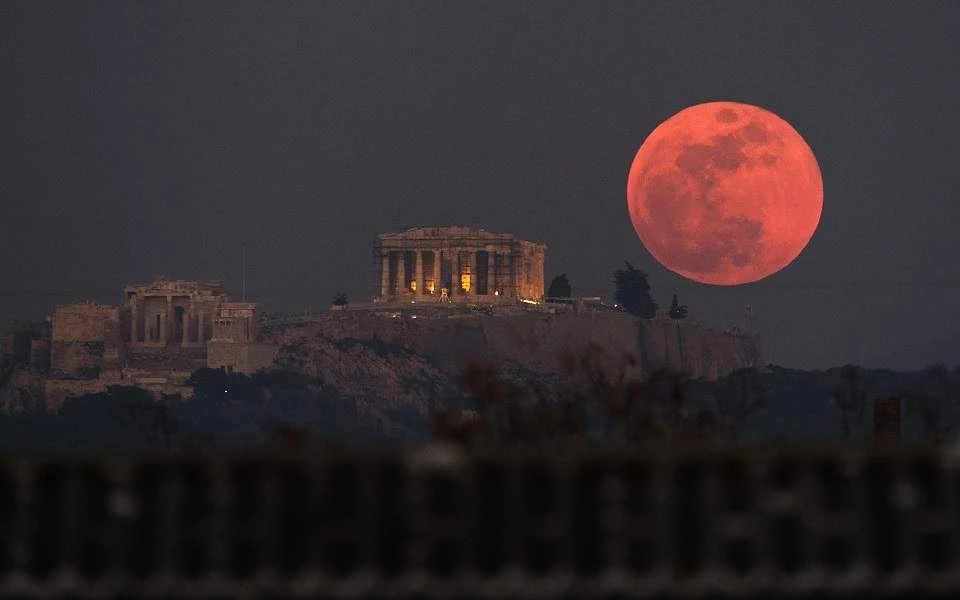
{"points": [[459, 292], [172, 312], [458, 264], [161, 333]]}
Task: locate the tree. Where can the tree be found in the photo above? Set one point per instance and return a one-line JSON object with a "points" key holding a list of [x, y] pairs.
{"points": [[633, 292], [560, 287], [595, 399], [677, 310], [217, 386], [340, 299], [850, 396], [937, 404], [738, 396]]}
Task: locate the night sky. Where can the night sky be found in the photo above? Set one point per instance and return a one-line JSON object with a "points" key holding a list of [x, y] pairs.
{"points": [[140, 138]]}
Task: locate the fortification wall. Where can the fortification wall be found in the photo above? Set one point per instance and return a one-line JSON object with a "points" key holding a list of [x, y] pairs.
{"points": [[85, 340], [40, 353], [76, 360], [85, 322], [239, 357], [57, 391], [695, 349]]}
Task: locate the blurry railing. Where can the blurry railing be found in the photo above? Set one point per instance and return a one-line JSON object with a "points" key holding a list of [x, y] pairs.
{"points": [[434, 523]]}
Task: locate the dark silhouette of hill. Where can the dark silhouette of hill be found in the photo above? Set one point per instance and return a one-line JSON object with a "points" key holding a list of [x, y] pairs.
{"points": [[750, 406]]}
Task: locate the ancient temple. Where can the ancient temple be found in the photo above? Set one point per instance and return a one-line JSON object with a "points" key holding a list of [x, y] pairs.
{"points": [[458, 264], [177, 312], [163, 331]]}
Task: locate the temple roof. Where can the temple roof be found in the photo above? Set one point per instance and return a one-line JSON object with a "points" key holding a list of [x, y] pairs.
{"points": [[449, 232]]}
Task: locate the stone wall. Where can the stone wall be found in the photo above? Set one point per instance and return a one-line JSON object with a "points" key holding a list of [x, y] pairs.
{"points": [[85, 340], [76, 360], [85, 322], [693, 348], [57, 391], [159, 383], [239, 357], [40, 353]]}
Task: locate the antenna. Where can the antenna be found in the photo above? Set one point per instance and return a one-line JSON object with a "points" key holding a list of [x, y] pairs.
{"points": [[243, 274]]}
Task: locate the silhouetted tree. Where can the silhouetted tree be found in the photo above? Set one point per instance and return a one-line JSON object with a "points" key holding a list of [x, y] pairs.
{"points": [[595, 399], [677, 310], [560, 287], [938, 374], [284, 436], [340, 299], [850, 396], [633, 292], [217, 385], [938, 404], [738, 396]]}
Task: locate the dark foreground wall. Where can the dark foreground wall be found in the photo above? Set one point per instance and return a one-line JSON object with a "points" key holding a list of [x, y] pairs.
{"points": [[432, 523]]}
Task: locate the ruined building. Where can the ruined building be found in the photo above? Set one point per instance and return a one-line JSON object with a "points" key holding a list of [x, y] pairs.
{"points": [[192, 324], [86, 341], [458, 264], [163, 331], [234, 343], [172, 312]]}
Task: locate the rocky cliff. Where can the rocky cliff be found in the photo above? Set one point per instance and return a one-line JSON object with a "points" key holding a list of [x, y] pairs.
{"points": [[695, 349], [390, 386], [409, 361]]}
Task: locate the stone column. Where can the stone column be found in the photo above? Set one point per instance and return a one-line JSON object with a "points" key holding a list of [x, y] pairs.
{"points": [[491, 284], [454, 272], [418, 271], [385, 273], [200, 328], [516, 265], [472, 263], [402, 273], [436, 273], [185, 325], [133, 321], [166, 326], [193, 315]]}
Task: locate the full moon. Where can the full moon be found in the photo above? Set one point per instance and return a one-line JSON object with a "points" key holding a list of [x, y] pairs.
{"points": [[725, 193]]}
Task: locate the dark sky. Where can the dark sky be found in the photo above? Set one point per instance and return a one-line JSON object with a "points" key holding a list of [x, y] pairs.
{"points": [[140, 138]]}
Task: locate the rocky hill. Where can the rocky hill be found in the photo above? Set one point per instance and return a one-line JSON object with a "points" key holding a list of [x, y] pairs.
{"points": [[403, 362]]}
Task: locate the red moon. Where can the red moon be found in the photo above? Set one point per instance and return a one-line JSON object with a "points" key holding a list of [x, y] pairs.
{"points": [[725, 193]]}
